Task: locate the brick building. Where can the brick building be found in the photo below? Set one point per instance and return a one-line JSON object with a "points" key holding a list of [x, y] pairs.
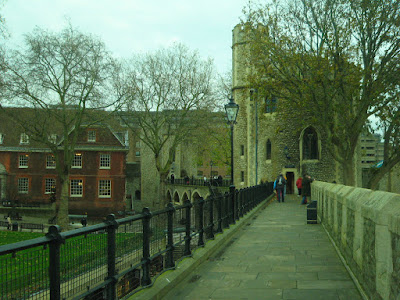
{"points": [[97, 179]]}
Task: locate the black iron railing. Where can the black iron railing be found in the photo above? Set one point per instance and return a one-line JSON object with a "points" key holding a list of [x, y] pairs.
{"points": [[200, 182], [116, 258]]}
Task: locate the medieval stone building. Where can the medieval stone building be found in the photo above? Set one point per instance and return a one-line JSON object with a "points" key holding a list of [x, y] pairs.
{"points": [[266, 145]]}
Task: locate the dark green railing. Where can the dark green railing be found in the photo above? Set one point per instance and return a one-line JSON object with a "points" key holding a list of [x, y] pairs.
{"points": [[117, 258]]}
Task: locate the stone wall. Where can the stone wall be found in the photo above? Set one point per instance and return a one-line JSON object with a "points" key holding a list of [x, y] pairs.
{"points": [[255, 126], [391, 181], [365, 226]]}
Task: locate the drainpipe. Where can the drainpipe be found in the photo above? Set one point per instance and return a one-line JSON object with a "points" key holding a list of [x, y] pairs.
{"points": [[252, 91]]}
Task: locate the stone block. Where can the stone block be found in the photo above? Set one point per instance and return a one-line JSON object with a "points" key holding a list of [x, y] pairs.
{"points": [[380, 205], [356, 198], [394, 222], [358, 238], [365, 225], [343, 232], [384, 263]]}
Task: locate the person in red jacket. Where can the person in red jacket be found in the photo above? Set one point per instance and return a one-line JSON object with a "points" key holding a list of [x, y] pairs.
{"points": [[299, 183]]}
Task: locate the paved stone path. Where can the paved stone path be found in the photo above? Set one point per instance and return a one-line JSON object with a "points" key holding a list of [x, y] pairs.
{"points": [[278, 256]]}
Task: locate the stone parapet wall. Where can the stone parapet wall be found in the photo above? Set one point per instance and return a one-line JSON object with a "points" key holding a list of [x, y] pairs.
{"points": [[365, 226]]}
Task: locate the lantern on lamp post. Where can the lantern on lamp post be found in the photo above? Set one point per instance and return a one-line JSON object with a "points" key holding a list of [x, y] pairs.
{"points": [[231, 114]]}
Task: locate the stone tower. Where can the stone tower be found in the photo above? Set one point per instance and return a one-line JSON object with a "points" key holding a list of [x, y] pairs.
{"points": [[264, 144]]}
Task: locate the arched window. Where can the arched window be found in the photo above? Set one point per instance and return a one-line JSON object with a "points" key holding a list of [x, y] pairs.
{"points": [[137, 195], [268, 150], [169, 197], [270, 104], [310, 144]]}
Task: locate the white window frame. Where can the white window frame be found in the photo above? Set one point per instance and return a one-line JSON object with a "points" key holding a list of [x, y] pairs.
{"points": [[76, 187], [24, 139], [77, 161], [91, 136], [105, 161], [50, 161], [52, 138], [105, 188], [49, 184], [23, 185], [23, 160], [1, 138]]}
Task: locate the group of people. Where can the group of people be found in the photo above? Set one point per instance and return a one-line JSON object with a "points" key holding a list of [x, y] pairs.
{"points": [[215, 180], [303, 187]]}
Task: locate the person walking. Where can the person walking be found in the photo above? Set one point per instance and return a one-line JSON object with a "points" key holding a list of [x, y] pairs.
{"points": [[299, 182], [84, 221], [306, 188], [284, 187], [279, 186], [9, 223]]}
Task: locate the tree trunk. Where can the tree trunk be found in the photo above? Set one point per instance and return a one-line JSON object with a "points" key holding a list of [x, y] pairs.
{"points": [[380, 173], [62, 214], [163, 189], [348, 172]]}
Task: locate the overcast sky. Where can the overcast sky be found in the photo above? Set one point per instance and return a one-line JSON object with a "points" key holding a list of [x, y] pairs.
{"points": [[134, 26]]}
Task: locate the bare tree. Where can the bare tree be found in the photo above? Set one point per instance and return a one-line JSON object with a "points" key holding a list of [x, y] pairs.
{"points": [[213, 141], [167, 94], [330, 60], [3, 37], [3, 28], [60, 77]]}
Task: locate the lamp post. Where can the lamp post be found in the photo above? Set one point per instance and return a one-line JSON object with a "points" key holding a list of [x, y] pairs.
{"points": [[231, 114]]}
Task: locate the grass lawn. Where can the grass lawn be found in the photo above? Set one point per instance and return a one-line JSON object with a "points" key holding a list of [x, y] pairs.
{"points": [[26, 271], [9, 237]]}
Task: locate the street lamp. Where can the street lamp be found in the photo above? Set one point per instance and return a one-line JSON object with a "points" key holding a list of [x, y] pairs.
{"points": [[231, 114]]}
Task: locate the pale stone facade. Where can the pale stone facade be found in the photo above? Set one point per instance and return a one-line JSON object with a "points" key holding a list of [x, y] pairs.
{"points": [[271, 145], [365, 226]]}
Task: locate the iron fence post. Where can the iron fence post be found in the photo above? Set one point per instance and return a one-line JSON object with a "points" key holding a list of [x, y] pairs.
{"points": [[247, 196], [240, 203], [54, 261], [251, 198], [244, 196], [111, 254], [201, 222], [170, 263], [254, 202], [225, 223], [146, 247], [211, 225], [232, 200], [247, 199], [219, 214], [237, 205], [188, 238]]}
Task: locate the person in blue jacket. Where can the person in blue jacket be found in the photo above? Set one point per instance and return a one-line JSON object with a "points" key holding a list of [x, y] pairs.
{"points": [[279, 186]]}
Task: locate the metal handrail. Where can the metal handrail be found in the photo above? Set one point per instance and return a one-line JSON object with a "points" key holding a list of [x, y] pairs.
{"points": [[137, 250]]}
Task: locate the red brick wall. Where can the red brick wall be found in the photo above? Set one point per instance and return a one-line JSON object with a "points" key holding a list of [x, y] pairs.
{"points": [[90, 173]]}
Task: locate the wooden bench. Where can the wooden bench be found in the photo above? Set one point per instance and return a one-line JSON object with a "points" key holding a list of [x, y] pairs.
{"points": [[31, 226]]}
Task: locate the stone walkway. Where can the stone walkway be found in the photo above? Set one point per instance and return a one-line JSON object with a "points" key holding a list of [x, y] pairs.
{"points": [[278, 256]]}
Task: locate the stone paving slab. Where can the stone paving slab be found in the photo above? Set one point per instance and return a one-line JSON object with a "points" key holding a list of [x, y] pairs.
{"points": [[279, 256]]}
